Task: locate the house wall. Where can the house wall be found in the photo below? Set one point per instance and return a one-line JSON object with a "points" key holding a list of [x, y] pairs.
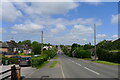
{"points": [[4, 50]]}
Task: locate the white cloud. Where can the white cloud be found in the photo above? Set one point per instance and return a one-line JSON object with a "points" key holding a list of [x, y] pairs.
{"points": [[27, 27], [9, 12], [101, 35], [47, 8], [13, 32], [115, 18], [59, 28], [114, 36], [82, 30], [2, 30]]}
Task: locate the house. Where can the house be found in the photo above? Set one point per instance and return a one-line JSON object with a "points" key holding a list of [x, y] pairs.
{"points": [[47, 47], [8, 47], [11, 47], [27, 49]]}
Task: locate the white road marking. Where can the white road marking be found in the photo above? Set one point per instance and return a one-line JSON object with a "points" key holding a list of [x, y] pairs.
{"points": [[92, 71], [62, 72], [79, 64]]}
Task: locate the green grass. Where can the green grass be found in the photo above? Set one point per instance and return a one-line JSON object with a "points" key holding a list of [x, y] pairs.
{"points": [[52, 65], [106, 62], [56, 57], [86, 59], [40, 66], [114, 51]]}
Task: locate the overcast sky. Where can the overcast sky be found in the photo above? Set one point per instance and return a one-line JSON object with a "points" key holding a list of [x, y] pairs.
{"points": [[62, 22]]}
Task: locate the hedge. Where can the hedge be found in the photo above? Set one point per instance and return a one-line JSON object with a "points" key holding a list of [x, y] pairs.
{"points": [[48, 54], [10, 60], [105, 55], [83, 54]]}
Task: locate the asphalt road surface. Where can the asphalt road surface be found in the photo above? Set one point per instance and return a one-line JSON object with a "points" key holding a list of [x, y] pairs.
{"points": [[76, 68]]}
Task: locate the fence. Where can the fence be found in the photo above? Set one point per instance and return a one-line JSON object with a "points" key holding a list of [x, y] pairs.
{"points": [[15, 73]]}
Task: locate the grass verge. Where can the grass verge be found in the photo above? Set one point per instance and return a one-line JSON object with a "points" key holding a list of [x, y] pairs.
{"points": [[40, 66], [56, 57], [106, 62], [86, 59], [52, 65]]}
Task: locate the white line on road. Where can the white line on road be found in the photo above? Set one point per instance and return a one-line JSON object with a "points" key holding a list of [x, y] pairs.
{"points": [[92, 71], [62, 71]]}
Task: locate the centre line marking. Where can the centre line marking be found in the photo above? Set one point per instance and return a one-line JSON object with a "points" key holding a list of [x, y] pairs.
{"points": [[92, 71]]}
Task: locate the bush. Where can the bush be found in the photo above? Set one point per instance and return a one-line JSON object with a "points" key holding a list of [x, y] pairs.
{"points": [[105, 55], [10, 60], [83, 54], [37, 61]]}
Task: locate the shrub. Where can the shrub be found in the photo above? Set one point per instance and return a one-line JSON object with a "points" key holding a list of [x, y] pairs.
{"points": [[105, 55], [47, 54], [10, 60], [83, 54]]}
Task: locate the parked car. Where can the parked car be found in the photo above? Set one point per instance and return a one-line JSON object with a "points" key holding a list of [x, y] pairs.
{"points": [[25, 61], [15, 57]]}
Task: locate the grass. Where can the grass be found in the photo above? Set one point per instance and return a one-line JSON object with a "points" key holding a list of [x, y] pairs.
{"points": [[114, 51], [56, 57], [53, 64], [86, 59], [40, 66], [106, 62]]}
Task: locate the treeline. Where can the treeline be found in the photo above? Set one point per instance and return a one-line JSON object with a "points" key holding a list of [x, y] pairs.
{"points": [[109, 50], [109, 45], [77, 50], [106, 50], [36, 46]]}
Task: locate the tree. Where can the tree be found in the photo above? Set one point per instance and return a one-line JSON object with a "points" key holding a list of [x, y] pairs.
{"points": [[36, 47], [25, 42]]}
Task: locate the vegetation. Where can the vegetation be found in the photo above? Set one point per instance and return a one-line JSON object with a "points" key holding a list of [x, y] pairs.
{"points": [[40, 66], [53, 64], [79, 51], [106, 62], [10, 60], [47, 54], [105, 55]]}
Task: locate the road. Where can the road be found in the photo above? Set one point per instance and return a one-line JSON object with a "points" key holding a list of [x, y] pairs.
{"points": [[76, 68]]}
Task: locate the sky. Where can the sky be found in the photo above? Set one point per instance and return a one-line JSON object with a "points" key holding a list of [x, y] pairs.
{"points": [[61, 22]]}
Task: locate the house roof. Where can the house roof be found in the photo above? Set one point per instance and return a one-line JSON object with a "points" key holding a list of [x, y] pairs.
{"points": [[3, 45]]}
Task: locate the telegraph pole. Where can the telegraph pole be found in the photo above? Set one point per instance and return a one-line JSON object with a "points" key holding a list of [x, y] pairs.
{"points": [[95, 40], [41, 42]]}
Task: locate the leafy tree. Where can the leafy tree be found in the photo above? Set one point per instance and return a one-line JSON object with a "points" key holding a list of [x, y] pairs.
{"points": [[25, 42], [36, 47]]}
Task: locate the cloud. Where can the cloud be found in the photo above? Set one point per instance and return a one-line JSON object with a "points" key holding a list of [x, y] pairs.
{"points": [[9, 12], [82, 30], [115, 19], [13, 32], [2, 30], [114, 36], [27, 27], [47, 8], [101, 35], [59, 28]]}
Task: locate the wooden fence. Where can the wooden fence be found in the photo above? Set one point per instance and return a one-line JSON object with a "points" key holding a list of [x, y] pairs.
{"points": [[15, 73]]}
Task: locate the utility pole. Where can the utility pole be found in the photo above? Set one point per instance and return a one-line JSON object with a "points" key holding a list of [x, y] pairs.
{"points": [[95, 41], [41, 42]]}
